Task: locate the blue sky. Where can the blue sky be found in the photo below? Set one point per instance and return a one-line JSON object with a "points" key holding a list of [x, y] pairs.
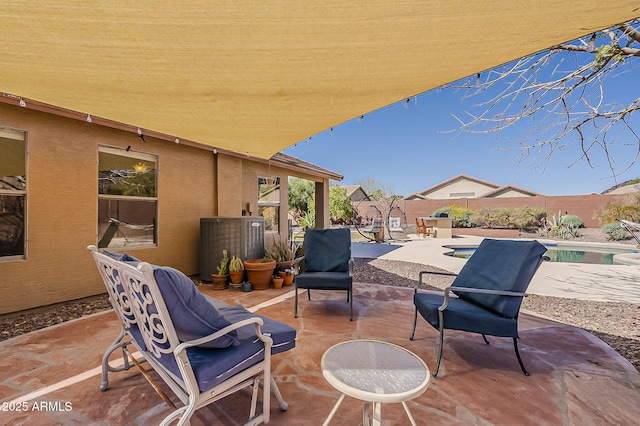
{"points": [[410, 148]]}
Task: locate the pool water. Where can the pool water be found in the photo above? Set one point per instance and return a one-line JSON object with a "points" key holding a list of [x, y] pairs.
{"points": [[597, 256]]}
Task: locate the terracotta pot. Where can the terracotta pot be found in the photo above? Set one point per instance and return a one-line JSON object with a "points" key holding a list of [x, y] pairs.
{"points": [[219, 281], [277, 282], [281, 266], [236, 276], [259, 272], [288, 278]]}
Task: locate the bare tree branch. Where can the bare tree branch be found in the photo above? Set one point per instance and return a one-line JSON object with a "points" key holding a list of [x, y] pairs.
{"points": [[564, 92]]}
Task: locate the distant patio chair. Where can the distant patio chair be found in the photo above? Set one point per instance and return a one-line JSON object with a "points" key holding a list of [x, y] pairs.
{"points": [[326, 265], [420, 228], [375, 228], [489, 291], [395, 224]]}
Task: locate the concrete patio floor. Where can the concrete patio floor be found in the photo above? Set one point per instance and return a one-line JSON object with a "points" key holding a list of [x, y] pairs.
{"points": [[575, 379]]}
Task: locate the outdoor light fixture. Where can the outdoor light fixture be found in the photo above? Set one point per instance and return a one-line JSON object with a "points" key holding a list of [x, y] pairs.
{"points": [[140, 167], [140, 135]]}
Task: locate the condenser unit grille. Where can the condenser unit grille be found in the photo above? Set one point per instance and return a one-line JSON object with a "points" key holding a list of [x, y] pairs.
{"points": [[240, 236]]}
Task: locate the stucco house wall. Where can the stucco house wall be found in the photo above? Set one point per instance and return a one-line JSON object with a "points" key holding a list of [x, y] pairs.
{"points": [[62, 199]]}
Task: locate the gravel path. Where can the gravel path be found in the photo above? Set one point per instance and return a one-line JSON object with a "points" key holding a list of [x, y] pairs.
{"points": [[617, 324]]}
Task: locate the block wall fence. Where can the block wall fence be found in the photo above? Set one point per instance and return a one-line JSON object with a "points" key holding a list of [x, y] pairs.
{"points": [[583, 206]]}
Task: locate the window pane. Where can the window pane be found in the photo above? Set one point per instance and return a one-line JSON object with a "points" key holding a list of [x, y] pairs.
{"points": [[11, 225], [123, 175], [12, 161], [270, 215], [123, 223], [269, 202]]}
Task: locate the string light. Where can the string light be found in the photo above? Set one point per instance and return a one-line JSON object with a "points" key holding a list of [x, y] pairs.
{"points": [[177, 140], [140, 135], [23, 104], [591, 46], [89, 119]]}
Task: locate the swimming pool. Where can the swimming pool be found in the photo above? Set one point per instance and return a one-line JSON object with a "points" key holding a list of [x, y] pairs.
{"points": [[567, 253]]}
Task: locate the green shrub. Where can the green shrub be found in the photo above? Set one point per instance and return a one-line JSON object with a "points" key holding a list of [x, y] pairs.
{"points": [[561, 226], [572, 221], [522, 218], [614, 231], [629, 209], [528, 218], [460, 215]]}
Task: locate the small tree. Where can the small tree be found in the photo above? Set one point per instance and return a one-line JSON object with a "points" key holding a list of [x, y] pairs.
{"points": [[301, 195], [565, 94], [340, 208]]}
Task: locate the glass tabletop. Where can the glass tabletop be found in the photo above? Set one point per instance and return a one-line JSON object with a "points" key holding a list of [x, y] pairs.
{"points": [[375, 371]]}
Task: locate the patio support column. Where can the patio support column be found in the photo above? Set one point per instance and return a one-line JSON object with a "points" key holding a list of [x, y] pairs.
{"points": [[322, 204]]}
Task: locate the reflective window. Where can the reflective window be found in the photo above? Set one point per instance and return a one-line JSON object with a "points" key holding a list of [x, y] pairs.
{"points": [[127, 198], [269, 202], [13, 192]]}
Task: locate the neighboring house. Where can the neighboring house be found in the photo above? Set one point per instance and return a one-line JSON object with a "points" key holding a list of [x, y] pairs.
{"points": [[355, 192], [66, 183], [464, 186]]}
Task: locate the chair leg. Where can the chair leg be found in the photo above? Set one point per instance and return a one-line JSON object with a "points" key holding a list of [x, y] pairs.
{"points": [[350, 299], [440, 346], [415, 322], [106, 368], [309, 294], [295, 309], [515, 346], [485, 339]]}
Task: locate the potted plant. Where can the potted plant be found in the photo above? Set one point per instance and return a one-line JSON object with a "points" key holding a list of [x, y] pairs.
{"points": [[259, 272], [287, 276], [277, 281], [282, 252], [220, 279], [236, 270]]}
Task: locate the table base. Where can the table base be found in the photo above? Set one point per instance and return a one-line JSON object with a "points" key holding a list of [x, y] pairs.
{"points": [[376, 416]]}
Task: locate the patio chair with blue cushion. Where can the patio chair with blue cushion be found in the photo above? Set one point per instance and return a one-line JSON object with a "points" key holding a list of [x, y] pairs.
{"points": [[326, 265], [204, 349], [489, 291]]}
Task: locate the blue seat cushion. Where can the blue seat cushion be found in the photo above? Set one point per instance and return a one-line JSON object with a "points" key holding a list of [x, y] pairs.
{"points": [[324, 280], [213, 366], [464, 315], [192, 315], [500, 265]]}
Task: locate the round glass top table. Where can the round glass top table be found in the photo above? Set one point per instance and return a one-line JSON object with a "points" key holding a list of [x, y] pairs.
{"points": [[376, 372]]}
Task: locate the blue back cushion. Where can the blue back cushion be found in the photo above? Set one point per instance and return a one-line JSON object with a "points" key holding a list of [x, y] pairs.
{"points": [[327, 250], [500, 265], [191, 313]]}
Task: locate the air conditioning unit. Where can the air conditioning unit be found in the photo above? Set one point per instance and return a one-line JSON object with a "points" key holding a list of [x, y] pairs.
{"points": [[240, 236]]}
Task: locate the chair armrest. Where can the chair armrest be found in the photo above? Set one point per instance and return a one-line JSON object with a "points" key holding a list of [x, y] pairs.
{"points": [[296, 265], [422, 273], [447, 291], [201, 341]]}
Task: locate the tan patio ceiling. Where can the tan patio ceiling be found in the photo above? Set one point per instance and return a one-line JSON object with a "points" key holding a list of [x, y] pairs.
{"points": [[258, 76]]}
